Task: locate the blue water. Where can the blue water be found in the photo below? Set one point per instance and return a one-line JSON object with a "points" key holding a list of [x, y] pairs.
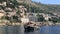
{"points": [[20, 30], [47, 30], [50, 30]]}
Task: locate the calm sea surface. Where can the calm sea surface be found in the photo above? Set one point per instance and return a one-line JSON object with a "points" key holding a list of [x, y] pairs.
{"points": [[20, 30]]}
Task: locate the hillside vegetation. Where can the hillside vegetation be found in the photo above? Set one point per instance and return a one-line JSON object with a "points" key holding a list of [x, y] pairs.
{"points": [[31, 6], [42, 8], [37, 7]]}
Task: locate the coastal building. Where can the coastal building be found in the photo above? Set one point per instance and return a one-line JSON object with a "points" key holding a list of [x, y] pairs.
{"points": [[25, 20], [32, 17], [46, 17]]}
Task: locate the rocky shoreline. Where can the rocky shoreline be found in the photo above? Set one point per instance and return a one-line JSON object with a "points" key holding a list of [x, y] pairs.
{"points": [[19, 24]]}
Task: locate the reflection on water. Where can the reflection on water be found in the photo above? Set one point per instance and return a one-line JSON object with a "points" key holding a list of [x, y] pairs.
{"points": [[11, 30], [20, 30], [50, 30]]}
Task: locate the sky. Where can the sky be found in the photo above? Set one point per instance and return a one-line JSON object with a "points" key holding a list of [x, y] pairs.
{"points": [[48, 1]]}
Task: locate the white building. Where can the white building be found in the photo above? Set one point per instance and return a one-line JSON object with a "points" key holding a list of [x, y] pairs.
{"points": [[25, 20]]}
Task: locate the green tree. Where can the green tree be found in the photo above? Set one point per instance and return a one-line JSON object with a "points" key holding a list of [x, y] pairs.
{"points": [[54, 20], [40, 18]]}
